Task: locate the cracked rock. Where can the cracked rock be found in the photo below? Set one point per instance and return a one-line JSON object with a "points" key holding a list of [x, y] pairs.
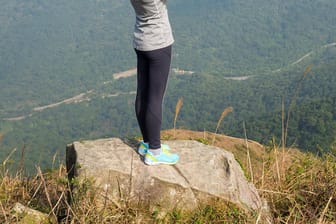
{"points": [[203, 174]]}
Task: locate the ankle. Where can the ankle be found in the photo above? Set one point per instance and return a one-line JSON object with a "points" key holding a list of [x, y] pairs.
{"points": [[155, 152]]}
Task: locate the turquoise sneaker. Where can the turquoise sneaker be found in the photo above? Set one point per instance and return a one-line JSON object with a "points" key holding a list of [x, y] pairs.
{"points": [[143, 148], [165, 157]]}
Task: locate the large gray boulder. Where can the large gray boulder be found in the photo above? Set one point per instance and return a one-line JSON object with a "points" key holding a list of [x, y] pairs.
{"points": [[203, 174]]}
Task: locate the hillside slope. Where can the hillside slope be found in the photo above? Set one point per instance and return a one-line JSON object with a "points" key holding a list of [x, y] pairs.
{"points": [[57, 83], [43, 60], [298, 187]]}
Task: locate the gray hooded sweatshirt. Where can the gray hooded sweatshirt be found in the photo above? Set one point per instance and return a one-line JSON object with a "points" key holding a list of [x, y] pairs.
{"points": [[152, 28]]}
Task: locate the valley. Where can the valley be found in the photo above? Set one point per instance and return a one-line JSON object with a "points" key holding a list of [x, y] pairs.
{"points": [[63, 83]]}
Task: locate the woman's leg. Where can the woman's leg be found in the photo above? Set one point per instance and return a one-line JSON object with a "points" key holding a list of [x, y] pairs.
{"points": [[158, 76], [142, 95], [152, 81]]}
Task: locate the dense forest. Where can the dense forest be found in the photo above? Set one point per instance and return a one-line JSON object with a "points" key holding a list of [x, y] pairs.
{"points": [[250, 55]]}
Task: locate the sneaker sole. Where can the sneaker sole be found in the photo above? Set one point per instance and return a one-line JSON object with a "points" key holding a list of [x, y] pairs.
{"points": [[150, 163]]}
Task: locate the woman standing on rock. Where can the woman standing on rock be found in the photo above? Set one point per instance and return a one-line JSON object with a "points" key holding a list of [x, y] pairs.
{"points": [[152, 42]]}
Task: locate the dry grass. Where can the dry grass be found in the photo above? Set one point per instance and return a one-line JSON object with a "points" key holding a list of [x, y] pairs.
{"points": [[178, 107], [299, 188], [47, 193], [306, 189], [225, 112]]}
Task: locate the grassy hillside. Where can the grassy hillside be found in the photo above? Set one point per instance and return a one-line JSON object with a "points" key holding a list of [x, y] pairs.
{"points": [[298, 187]]}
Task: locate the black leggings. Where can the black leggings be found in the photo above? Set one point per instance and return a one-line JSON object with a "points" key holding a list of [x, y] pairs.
{"points": [[153, 70]]}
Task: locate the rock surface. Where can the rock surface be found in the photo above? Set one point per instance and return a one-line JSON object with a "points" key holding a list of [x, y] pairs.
{"points": [[204, 173], [29, 215]]}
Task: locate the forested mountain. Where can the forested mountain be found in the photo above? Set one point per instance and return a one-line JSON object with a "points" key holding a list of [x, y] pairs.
{"points": [[57, 61]]}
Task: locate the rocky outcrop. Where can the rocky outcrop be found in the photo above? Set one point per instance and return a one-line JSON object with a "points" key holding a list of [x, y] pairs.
{"points": [[203, 174], [28, 215]]}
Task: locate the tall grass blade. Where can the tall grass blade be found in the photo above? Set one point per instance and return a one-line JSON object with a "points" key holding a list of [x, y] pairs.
{"points": [[4, 212], [223, 115], [8, 157], [249, 164], [178, 107], [39, 171], [225, 112], [324, 211], [21, 163]]}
